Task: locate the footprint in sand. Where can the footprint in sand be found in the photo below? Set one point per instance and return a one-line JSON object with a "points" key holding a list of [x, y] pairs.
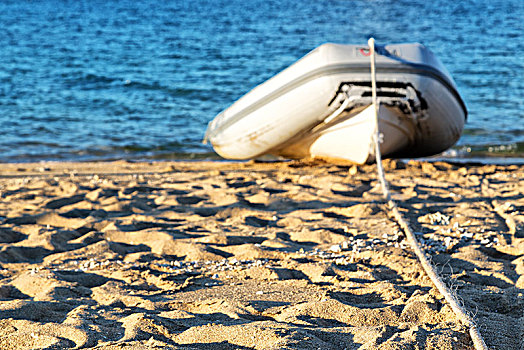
{"points": [[241, 184], [62, 202], [189, 200], [12, 254], [258, 222], [8, 235]]}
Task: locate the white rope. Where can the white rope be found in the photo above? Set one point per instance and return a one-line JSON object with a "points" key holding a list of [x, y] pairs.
{"points": [[340, 109], [430, 270]]}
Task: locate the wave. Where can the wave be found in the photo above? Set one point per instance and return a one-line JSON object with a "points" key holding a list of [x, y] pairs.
{"points": [[514, 149], [91, 81]]}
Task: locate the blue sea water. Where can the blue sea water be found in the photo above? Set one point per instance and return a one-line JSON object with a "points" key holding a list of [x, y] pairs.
{"points": [[90, 80]]}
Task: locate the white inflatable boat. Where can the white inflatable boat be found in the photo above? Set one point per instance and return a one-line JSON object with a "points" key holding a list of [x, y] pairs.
{"points": [[321, 106]]}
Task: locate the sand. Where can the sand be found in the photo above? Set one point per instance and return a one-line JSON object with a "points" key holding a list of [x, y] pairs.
{"points": [[284, 255]]}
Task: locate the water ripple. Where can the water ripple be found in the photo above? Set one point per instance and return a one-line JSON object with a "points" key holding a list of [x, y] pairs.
{"points": [[124, 79]]}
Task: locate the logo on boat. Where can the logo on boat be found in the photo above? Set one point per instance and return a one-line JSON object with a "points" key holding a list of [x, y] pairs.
{"points": [[364, 51]]}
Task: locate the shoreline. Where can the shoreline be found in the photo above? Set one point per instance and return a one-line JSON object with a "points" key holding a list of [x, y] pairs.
{"points": [[256, 255], [466, 161]]}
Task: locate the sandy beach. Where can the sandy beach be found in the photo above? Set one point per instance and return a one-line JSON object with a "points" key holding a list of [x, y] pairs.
{"points": [[283, 255]]}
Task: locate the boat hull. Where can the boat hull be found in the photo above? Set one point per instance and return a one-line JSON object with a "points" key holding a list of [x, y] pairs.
{"points": [[286, 116], [352, 138]]}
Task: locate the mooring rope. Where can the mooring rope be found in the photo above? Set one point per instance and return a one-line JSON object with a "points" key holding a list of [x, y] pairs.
{"points": [[430, 270]]}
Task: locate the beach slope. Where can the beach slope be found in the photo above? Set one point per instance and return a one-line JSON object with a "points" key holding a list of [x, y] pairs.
{"points": [[284, 255]]}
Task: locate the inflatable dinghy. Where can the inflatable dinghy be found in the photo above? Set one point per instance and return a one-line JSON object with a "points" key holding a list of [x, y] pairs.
{"points": [[321, 106]]}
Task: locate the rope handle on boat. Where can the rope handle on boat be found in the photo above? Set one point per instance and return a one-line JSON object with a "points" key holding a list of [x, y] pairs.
{"points": [[343, 106], [349, 94], [430, 270]]}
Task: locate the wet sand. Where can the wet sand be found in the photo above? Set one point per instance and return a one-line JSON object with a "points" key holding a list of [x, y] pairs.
{"points": [[286, 255]]}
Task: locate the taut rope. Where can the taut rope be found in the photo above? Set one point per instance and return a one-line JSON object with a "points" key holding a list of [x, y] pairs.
{"points": [[430, 270]]}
